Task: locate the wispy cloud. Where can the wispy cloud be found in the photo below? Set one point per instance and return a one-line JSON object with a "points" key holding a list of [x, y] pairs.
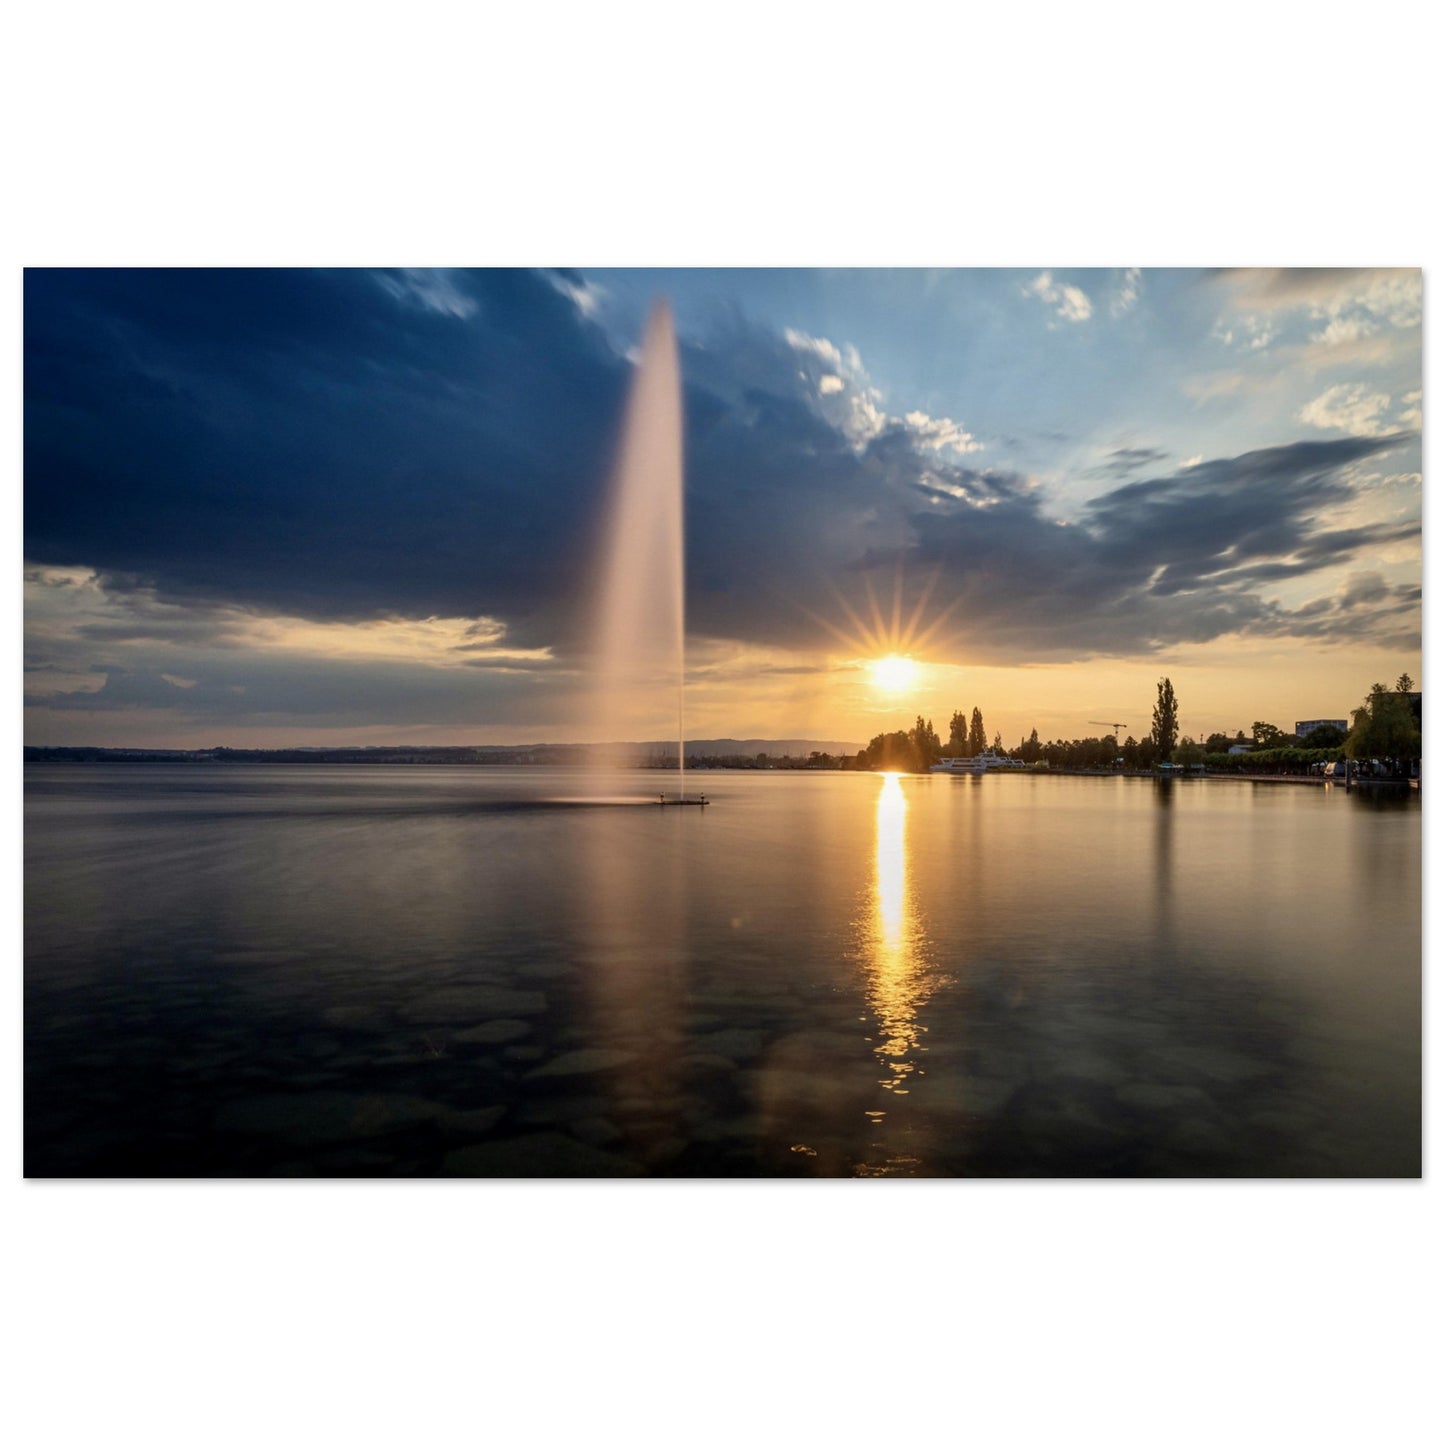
{"points": [[1066, 301], [1123, 461], [1325, 318], [837, 375], [938, 432], [1126, 294], [1216, 384], [1348, 407], [587, 296], [1391, 297], [1245, 332], [74, 610], [847, 396], [431, 289]]}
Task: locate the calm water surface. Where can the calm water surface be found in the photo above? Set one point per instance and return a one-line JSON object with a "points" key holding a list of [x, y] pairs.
{"points": [[461, 971]]}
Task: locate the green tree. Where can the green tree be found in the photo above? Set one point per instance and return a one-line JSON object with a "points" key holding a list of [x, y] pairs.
{"points": [[1384, 727], [925, 743], [1032, 750], [958, 736], [1189, 753], [1266, 735], [1166, 720], [891, 752], [1324, 736], [977, 738]]}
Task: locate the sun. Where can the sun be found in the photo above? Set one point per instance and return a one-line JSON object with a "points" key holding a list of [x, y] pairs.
{"points": [[888, 645], [894, 673]]}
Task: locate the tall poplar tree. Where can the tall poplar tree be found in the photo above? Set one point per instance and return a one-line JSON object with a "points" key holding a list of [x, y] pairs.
{"points": [[977, 738], [958, 736], [1166, 720]]}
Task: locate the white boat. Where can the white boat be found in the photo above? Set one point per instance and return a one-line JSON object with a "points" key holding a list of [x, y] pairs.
{"points": [[993, 760], [984, 762], [960, 765]]}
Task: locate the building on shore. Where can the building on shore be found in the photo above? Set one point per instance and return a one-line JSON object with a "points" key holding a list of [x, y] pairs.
{"points": [[1303, 729]]}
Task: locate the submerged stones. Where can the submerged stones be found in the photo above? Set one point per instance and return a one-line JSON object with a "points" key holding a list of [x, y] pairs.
{"points": [[324, 1116], [457, 1003], [596, 1130], [494, 1031], [474, 1121], [583, 1061]]}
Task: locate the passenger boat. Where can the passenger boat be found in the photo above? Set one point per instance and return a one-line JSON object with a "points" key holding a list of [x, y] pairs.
{"points": [[993, 761], [960, 765], [984, 762]]}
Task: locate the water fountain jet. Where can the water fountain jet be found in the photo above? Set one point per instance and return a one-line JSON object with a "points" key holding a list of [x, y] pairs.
{"points": [[640, 637]]}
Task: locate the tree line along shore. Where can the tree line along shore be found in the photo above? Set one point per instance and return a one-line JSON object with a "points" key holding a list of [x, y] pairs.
{"points": [[1384, 737]]}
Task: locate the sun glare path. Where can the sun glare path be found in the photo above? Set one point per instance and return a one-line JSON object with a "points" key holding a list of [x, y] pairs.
{"points": [[897, 986]]}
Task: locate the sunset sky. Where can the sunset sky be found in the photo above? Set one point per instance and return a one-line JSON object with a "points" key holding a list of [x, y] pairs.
{"points": [[275, 507]]}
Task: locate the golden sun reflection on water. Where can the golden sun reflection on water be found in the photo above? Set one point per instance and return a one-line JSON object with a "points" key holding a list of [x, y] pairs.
{"points": [[894, 945]]}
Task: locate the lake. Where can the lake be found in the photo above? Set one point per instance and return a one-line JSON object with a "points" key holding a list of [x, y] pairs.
{"points": [[438, 971]]}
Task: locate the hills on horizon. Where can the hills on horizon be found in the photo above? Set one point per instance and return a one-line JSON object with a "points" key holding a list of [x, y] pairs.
{"points": [[494, 753]]}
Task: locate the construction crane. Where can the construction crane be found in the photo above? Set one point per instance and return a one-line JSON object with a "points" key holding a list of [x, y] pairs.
{"points": [[1096, 722]]}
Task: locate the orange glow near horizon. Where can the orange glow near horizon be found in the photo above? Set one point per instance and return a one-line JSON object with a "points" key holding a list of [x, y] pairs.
{"points": [[434, 681]]}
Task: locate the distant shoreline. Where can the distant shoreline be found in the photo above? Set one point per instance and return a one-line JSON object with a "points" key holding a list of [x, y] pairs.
{"points": [[561, 755]]}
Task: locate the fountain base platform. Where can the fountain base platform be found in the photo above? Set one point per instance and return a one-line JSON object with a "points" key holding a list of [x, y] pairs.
{"points": [[697, 802]]}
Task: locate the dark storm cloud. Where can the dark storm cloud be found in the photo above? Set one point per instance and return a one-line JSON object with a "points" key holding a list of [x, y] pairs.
{"points": [[1169, 559], [1213, 520], [331, 444], [127, 689], [1369, 587], [351, 445]]}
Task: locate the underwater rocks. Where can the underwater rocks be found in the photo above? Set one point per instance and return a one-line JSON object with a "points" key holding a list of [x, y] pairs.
{"points": [[583, 1061], [325, 1116], [460, 1003]]}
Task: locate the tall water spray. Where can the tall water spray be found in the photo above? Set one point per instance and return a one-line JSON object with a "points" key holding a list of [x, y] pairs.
{"points": [[640, 615]]}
